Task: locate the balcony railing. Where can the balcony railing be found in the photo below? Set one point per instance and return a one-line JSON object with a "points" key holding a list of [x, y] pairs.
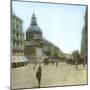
{"points": [[17, 48]]}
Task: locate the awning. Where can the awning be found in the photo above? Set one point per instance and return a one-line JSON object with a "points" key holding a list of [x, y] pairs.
{"points": [[17, 59], [14, 59], [24, 58]]}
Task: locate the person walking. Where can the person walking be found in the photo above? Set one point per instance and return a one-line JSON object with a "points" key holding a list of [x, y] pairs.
{"points": [[33, 67], [83, 62], [56, 64], [38, 75]]}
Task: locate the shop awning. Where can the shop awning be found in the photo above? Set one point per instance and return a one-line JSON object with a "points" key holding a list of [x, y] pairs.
{"points": [[17, 59]]}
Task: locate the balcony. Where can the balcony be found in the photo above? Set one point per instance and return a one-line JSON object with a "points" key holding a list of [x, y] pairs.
{"points": [[18, 48]]}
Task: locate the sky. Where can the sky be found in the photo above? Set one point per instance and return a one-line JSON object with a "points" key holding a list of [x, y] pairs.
{"points": [[61, 24]]}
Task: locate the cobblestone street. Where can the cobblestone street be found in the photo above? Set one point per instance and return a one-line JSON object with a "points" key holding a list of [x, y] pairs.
{"points": [[63, 74]]}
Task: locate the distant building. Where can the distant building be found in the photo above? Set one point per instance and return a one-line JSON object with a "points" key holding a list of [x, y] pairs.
{"points": [[68, 56], [84, 40], [33, 42], [17, 42]]}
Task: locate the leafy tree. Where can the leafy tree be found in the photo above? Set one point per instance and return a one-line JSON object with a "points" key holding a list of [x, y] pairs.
{"points": [[55, 55], [47, 53], [76, 57], [46, 62]]}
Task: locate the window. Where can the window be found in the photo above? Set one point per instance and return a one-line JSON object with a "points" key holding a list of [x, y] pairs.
{"points": [[17, 26], [17, 44], [17, 34]]}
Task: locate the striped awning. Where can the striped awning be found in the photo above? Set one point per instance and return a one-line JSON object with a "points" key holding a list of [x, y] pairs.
{"points": [[16, 59]]}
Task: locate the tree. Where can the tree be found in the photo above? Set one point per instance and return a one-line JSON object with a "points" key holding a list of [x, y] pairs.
{"points": [[46, 62], [55, 55], [76, 57], [47, 53]]}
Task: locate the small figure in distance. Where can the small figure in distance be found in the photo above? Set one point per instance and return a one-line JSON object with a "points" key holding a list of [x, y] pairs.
{"points": [[38, 75], [56, 64], [33, 67]]}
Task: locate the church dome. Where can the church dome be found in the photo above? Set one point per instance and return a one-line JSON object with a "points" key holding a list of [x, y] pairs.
{"points": [[33, 27]]}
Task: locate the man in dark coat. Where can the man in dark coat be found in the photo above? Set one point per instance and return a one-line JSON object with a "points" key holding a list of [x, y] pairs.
{"points": [[38, 75]]}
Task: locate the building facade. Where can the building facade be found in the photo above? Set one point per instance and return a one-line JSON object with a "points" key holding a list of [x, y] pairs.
{"points": [[17, 36], [84, 43], [17, 43]]}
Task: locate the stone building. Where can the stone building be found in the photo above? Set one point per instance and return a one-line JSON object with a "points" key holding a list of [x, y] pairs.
{"points": [[17, 42], [17, 36], [84, 43], [33, 43]]}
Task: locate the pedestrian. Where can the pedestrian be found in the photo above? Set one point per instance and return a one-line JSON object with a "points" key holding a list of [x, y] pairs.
{"points": [[76, 63], [38, 75], [56, 64], [83, 63], [53, 63], [33, 67]]}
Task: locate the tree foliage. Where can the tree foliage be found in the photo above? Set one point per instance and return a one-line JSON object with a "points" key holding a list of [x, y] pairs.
{"points": [[46, 62], [76, 56], [47, 53]]}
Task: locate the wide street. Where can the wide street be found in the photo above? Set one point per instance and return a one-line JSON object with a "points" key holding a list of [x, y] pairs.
{"points": [[63, 74]]}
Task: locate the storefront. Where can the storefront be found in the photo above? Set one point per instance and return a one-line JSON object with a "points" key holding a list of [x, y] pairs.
{"points": [[18, 61]]}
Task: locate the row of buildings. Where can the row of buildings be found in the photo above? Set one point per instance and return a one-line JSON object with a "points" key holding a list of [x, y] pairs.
{"points": [[17, 43], [30, 50], [84, 40]]}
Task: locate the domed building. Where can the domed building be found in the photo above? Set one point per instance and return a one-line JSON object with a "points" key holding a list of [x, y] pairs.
{"points": [[33, 43], [33, 32]]}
